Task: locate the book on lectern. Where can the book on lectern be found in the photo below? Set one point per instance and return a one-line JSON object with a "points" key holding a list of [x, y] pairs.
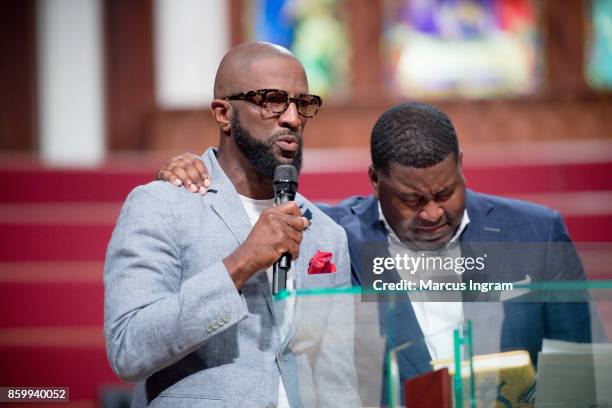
{"points": [[501, 379], [429, 390]]}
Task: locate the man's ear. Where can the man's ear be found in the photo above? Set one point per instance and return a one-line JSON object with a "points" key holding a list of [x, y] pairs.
{"points": [[460, 165], [222, 113], [373, 180]]}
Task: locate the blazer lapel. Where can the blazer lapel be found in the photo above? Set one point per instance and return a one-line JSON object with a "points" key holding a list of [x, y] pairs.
{"points": [[300, 267], [483, 237], [224, 199], [485, 226], [301, 264], [225, 202]]}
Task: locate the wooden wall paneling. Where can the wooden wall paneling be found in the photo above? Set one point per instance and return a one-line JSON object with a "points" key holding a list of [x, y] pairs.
{"points": [[236, 16], [18, 73], [564, 41], [130, 81], [366, 64], [564, 109]]}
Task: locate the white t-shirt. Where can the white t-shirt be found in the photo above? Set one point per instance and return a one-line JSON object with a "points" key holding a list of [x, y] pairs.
{"points": [[433, 317], [254, 208]]}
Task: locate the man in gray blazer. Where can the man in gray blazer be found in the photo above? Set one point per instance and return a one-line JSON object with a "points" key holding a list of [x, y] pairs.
{"points": [[188, 308]]}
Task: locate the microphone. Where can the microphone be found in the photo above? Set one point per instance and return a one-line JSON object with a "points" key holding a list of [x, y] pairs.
{"points": [[285, 186]]}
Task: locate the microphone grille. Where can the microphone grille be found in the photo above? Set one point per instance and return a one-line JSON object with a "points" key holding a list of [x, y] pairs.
{"points": [[285, 178]]}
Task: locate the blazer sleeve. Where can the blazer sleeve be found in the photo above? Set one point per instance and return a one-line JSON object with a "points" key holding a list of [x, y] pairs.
{"points": [[565, 320], [563, 260], [151, 317]]}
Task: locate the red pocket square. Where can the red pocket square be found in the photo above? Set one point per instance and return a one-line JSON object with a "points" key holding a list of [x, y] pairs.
{"points": [[321, 263]]}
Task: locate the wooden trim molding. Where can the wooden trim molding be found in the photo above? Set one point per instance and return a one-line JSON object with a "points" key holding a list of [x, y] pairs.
{"points": [[130, 81], [564, 34], [18, 73]]}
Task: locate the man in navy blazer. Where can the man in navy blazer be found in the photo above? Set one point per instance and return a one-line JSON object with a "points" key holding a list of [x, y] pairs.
{"points": [[419, 186], [492, 220], [420, 204]]}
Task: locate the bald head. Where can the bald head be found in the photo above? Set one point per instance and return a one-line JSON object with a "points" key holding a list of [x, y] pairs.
{"points": [[234, 74]]}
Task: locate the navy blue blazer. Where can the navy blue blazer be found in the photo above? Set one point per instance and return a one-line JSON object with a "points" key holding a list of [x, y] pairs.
{"points": [[510, 224]]}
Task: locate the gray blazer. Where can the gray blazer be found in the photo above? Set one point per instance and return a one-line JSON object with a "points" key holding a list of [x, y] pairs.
{"points": [[175, 323]]}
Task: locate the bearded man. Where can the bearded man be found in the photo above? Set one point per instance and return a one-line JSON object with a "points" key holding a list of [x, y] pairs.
{"points": [[189, 312]]}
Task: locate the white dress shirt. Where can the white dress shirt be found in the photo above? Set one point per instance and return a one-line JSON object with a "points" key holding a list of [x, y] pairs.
{"points": [[436, 319]]}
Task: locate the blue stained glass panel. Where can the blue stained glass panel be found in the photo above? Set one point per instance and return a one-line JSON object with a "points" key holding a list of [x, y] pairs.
{"points": [[314, 30]]}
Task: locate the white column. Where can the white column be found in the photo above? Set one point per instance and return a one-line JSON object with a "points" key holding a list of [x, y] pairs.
{"points": [[191, 37], [70, 81]]}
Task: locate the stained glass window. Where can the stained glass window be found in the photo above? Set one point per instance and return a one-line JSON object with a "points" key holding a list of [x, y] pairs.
{"points": [[599, 60], [314, 30], [466, 48]]}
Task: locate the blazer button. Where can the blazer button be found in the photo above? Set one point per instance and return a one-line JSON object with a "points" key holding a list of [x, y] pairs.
{"points": [[209, 328], [225, 317], [215, 325]]}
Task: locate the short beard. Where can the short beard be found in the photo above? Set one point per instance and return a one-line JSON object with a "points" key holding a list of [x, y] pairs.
{"points": [[259, 152]]}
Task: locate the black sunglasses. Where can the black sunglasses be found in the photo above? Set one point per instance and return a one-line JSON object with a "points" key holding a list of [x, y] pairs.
{"points": [[277, 101]]}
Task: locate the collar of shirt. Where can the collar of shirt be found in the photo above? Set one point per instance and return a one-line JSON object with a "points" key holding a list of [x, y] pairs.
{"points": [[465, 220]]}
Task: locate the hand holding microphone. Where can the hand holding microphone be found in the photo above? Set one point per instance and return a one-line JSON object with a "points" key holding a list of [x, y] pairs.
{"points": [[278, 232]]}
